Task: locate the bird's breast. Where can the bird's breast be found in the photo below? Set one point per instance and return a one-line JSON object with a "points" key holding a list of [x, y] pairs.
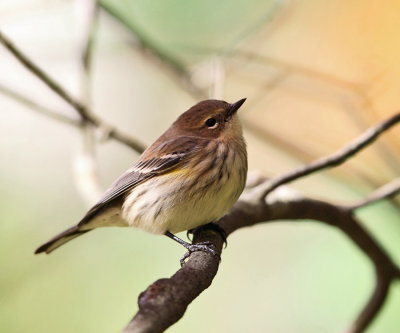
{"points": [[201, 191]]}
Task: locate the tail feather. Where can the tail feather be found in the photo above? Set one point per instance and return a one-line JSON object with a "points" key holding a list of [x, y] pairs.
{"points": [[60, 239]]}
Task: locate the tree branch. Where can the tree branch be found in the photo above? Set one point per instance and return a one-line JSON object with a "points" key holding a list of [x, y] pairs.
{"points": [[42, 110], [373, 305], [165, 301], [53, 85], [386, 191], [84, 113], [336, 158]]}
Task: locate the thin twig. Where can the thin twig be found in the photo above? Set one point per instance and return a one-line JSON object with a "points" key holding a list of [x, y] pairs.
{"points": [[42, 110], [59, 90], [386, 191], [296, 68], [173, 67], [52, 84], [145, 42], [335, 159], [109, 130], [360, 91]]}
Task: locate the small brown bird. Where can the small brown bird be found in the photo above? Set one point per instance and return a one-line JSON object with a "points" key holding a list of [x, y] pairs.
{"points": [[190, 176]]}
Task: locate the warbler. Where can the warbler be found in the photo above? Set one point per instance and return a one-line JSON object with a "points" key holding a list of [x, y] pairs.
{"points": [[190, 176]]}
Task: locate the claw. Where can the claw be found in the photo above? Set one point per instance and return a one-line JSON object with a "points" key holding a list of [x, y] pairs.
{"points": [[205, 247], [189, 233]]}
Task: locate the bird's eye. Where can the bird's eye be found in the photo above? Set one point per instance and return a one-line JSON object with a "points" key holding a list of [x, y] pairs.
{"points": [[211, 122]]}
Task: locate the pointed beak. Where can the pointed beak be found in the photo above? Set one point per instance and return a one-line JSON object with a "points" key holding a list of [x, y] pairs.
{"points": [[235, 106]]}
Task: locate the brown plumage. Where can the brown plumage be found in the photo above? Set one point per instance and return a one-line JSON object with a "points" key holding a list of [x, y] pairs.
{"points": [[190, 176]]}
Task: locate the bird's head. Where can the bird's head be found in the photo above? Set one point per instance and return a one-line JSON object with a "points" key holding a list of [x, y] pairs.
{"points": [[211, 119]]}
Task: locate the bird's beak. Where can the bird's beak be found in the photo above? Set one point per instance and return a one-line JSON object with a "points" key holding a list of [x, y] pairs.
{"points": [[235, 106]]}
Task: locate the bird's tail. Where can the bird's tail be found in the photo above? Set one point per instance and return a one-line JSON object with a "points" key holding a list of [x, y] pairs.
{"points": [[60, 239]]}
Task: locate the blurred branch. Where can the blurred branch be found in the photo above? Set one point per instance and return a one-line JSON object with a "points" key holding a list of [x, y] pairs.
{"points": [[283, 66], [85, 166], [386, 191], [44, 111], [154, 53], [374, 304], [370, 115], [145, 41], [90, 17], [336, 158], [174, 69], [177, 71], [217, 78], [358, 90], [109, 131], [295, 68], [165, 301], [84, 113], [46, 78], [181, 79]]}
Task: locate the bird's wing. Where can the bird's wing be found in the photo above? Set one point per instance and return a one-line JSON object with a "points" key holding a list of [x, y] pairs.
{"points": [[155, 161]]}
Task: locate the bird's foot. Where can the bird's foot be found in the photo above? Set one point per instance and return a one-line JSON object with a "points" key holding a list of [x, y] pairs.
{"points": [[204, 247]]}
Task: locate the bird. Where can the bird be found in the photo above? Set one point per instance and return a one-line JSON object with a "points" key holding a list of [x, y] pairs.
{"points": [[189, 177]]}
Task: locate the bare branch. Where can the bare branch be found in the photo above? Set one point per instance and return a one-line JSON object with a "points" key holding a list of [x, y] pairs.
{"points": [[165, 301], [60, 91], [174, 69], [146, 43], [122, 137], [374, 305], [44, 77], [295, 68], [42, 110], [335, 159], [385, 192], [109, 131]]}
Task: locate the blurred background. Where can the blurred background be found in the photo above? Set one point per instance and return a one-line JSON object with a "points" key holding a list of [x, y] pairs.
{"points": [[315, 74]]}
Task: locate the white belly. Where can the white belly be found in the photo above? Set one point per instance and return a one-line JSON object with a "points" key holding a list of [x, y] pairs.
{"points": [[164, 203]]}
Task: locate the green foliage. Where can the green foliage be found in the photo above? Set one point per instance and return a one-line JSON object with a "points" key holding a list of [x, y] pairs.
{"points": [[187, 31]]}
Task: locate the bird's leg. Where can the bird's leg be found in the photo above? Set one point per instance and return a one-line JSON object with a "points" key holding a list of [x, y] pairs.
{"points": [[210, 226], [205, 247]]}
